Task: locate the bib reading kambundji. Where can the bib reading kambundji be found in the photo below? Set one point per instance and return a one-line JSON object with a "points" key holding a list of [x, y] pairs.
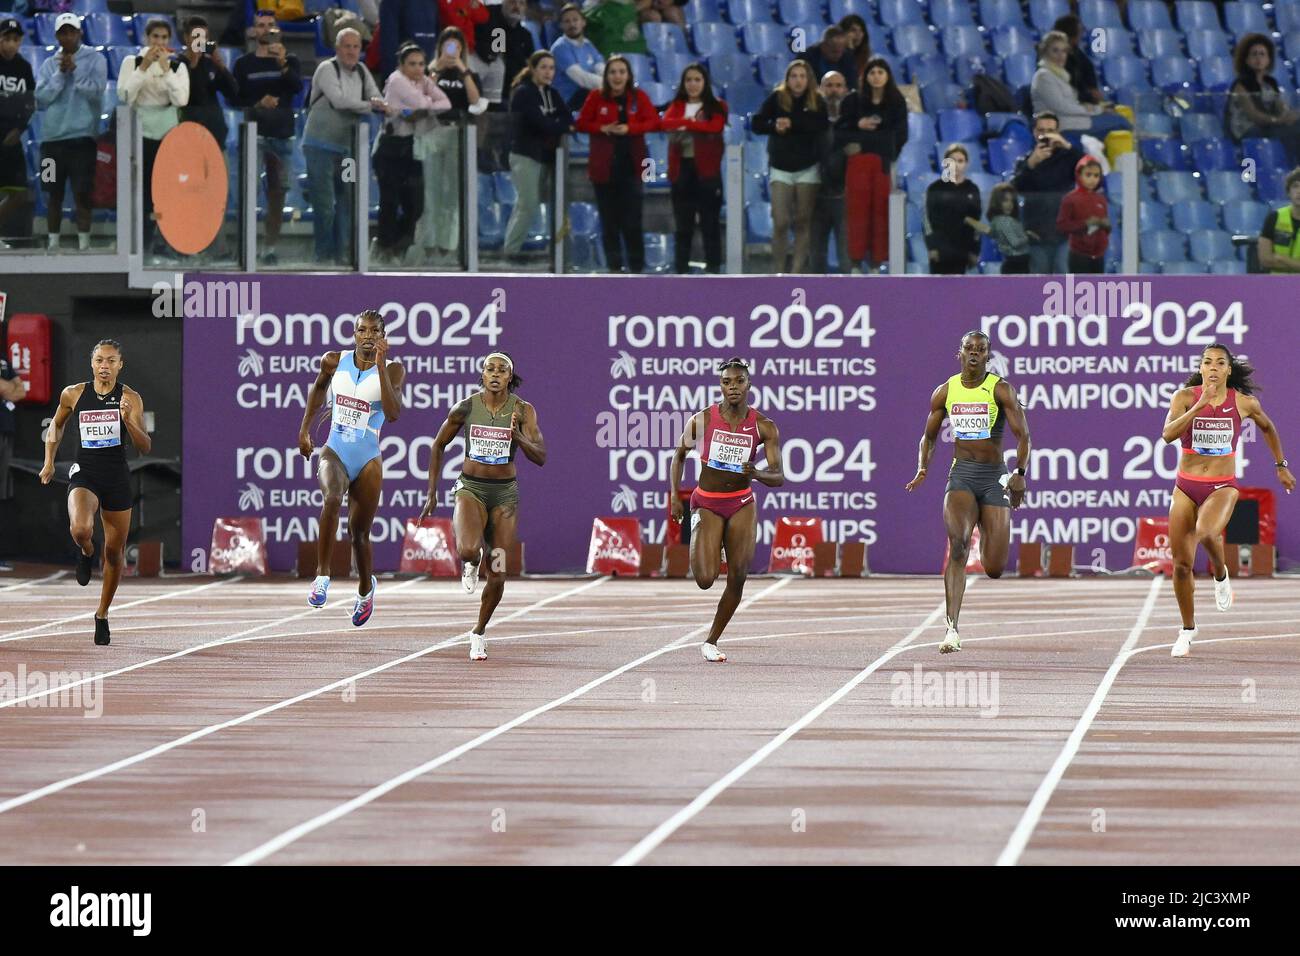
{"points": [[729, 451], [100, 429], [489, 444], [1212, 436]]}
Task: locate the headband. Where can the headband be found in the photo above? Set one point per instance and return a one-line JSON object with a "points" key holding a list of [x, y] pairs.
{"points": [[503, 357]]}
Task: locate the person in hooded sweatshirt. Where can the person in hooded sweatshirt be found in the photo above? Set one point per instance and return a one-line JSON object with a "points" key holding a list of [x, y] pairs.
{"points": [[1085, 219]]}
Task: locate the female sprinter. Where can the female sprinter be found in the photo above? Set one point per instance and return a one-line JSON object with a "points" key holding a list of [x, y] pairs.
{"points": [[99, 479], [496, 423], [1206, 415], [364, 391], [723, 512], [978, 403]]}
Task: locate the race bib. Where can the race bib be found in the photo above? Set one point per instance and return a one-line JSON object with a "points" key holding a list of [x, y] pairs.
{"points": [[489, 444], [100, 429], [972, 420], [351, 416], [1212, 436], [729, 451]]}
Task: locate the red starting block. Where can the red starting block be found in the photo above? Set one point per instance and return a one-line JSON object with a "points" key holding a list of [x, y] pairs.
{"points": [[429, 547], [238, 546], [615, 546], [1151, 550], [794, 546]]}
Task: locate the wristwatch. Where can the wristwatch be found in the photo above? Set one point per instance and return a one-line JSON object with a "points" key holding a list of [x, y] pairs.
{"points": [[1281, 464], [1020, 472]]}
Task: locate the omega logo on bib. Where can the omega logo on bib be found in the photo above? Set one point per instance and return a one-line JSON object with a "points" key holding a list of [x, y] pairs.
{"points": [[1212, 436], [352, 416], [490, 444]]}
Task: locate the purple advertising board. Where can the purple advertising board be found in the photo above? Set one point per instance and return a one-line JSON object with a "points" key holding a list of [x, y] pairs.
{"points": [[845, 366]]}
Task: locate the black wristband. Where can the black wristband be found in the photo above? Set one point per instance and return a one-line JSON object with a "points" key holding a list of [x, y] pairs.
{"points": [[1020, 472]]}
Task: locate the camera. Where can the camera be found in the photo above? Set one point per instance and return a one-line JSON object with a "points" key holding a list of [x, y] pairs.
{"points": [[1044, 141]]}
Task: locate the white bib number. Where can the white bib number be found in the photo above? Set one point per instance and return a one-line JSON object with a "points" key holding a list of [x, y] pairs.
{"points": [[490, 444], [351, 416], [972, 421], [1212, 436], [100, 429], [729, 451]]}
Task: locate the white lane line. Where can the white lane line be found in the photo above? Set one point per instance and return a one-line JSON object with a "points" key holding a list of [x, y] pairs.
{"points": [[1216, 640], [33, 582], [293, 834], [1010, 854], [29, 632], [34, 795], [670, 826]]}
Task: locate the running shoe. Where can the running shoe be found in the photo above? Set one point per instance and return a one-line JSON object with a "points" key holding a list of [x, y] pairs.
{"points": [[1183, 646], [84, 564], [469, 576], [320, 590], [478, 647], [365, 605], [1223, 592], [101, 631], [712, 654], [951, 641]]}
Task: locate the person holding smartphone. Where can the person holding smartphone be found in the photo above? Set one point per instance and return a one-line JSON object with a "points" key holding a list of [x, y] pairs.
{"points": [[208, 77], [1043, 176]]}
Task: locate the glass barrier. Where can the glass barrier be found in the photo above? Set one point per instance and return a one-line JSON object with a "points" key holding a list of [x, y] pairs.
{"points": [[515, 197]]}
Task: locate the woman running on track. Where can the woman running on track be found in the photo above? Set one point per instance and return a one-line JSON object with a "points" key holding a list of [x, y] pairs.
{"points": [[1206, 415], [979, 403], [723, 510], [99, 479], [361, 399], [496, 423]]}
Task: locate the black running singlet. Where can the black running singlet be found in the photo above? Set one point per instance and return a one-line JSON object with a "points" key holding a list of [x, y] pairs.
{"points": [[99, 427]]}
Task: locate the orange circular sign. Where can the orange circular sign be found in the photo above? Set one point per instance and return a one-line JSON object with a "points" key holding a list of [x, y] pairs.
{"points": [[189, 188]]}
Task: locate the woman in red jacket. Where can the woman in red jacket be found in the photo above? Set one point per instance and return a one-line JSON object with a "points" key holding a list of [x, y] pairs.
{"points": [[696, 119], [618, 115], [464, 15]]}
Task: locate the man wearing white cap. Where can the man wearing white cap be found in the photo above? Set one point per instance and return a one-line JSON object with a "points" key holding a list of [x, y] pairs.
{"points": [[70, 89]]}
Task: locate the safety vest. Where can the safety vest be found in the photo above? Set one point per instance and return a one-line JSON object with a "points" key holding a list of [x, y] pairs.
{"points": [[1286, 242]]}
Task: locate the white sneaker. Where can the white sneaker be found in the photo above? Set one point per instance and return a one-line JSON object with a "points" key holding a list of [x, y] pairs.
{"points": [[712, 654], [478, 647], [1183, 646], [951, 641], [469, 576], [1223, 592]]}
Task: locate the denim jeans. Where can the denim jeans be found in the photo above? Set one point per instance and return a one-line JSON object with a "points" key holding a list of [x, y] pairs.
{"points": [[332, 200]]}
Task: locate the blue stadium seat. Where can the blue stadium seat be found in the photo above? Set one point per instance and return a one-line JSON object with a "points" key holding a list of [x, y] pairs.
{"points": [[664, 38], [657, 148], [894, 13], [702, 11], [758, 222], [1271, 186], [1191, 214], [1152, 216], [1154, 44], [1244, 218], [1000, 13], [1012, 39], [1194, 15], [764, 38], [800, 11], [1163, 245], [1019, 69], [921, 128], [1288, 17], [1125, 72], [45, 29], [1242, 18], [756, 158], [959, 126], [1195, 126], [1172, 187], [963, 41], [753, 189], [1003, 155], [941, 96], [1224, 186], [1214, 154], [771, 69], [839, 9], [1155, 124], [1147, 15], [744, 97], [1266, 153], [913, 219], [116, 57], [1173, 74], [669, 66], [641, 69], [1289, 48], [914, 39], [658, 252], [928, 68], [1217, 72], [741, 12], [950, 13], [1228, 267], [728, 68], [35, 55], [107, 29], [916, 158], [83, 7], [1207, 43], [1164, 153], [585, 254], [966, 68], [985, 182], [714, 38], [1044, 13], [1210, 244], [1181, 268], [1146, 188], [659, 93], [1100, 13], [1116, 41], [491, 225], [734, 134]]}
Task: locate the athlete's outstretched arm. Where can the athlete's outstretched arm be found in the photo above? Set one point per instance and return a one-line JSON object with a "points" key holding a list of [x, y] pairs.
{"points": [[390, 382], [1181, 413], [132, 409], [329, 364], [526, 433], [690, 436], [446, 435], [774, 477], [68, 399], [938, 412], [1250, 407], [1010, 405]]}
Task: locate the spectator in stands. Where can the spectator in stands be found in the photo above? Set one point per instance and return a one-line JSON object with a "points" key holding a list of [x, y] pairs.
{"points": [[540, 119], [12, 389], [1050, 90], [369, 10], [617, 116], [342, 91], [465, 16], [413, 99], [1257, 107], [1083, 75], [1006, 229], [1085, 218], [501, 50], [402, 20], [268, 79], [695, 120], [579, 66], [615, 27], [438, 231], [208, 77], [156, 85], [794, 119], [70, 89], [872, 130], [1279, 237], [17, 104], [833, 53], [828, 214], [950, 202], [859, 42], [1043, 176], [662, 11]]}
